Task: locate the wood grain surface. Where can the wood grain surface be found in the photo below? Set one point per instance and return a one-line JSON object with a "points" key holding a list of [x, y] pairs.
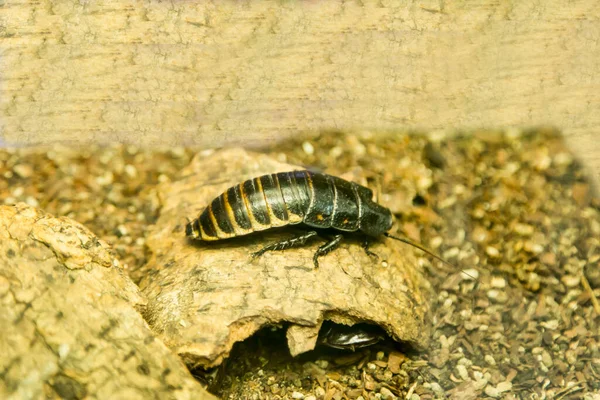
{"points": [[248, 73]]}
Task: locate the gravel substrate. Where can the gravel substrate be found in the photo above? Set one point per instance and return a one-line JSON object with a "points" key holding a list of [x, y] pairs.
{"points": [[512, 210]]}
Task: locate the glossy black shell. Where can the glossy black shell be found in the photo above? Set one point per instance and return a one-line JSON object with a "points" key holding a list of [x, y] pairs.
{"points": [[317, 200]]}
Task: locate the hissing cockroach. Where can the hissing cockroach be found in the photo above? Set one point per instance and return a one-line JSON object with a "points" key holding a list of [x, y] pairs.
{"points": [[351, 338], [318, 201]]}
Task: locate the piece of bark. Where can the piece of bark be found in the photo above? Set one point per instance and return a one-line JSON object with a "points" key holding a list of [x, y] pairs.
{"points": [[301, 339], [204, 297], [68, 326]]}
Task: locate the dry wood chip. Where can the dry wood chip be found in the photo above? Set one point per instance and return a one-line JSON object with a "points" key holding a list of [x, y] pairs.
{"points": [[395, 360], [70, 328], [204, 297], [369, 382]]}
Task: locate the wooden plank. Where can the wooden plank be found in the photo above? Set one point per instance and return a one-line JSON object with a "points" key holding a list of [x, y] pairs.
{"points": [[248, 73]]}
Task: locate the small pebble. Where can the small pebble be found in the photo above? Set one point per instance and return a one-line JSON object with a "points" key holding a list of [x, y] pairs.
{"points": [[106, 179], [591, 396], [130, 171], [369, 382], [437, 389], [480, 234], [336, 151], [360, 149], [23, 170], [18, 191], [543, 161], [388, 375], [380, 356], [478, 213], [297, 395], [551, 324], [436, 242], [387, 394], [32, 201], [207, 152], [462, 372], [504, 386], [524, 229], [308, 148], [498, 282], [451, 253], [497, 391], [497, 295], [465, 361], [547, 359], [319, 392], [532, 247], [122, 230], [492, 251], [311, 397], [177, 152], [571, 356], [470, 274], [571, 281], [322, 363], [162, 178], [563, 159]]}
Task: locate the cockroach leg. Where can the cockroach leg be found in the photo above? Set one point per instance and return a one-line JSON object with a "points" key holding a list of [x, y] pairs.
{"points": [[326, 248], [296, 241], [365, 245]]}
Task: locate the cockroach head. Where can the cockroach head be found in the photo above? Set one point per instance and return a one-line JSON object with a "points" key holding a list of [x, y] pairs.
{"points": [[376, 220]]}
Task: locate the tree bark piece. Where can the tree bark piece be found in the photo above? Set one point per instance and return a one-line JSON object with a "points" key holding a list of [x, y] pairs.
{"points": [[204, 297], [68, 326]]}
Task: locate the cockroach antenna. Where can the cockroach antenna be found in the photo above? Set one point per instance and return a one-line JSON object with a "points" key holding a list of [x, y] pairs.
{"points": [[423, 249]]}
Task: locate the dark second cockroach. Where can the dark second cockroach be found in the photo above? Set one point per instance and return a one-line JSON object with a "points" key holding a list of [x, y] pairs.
{"points": [[318, 201], [351, 338]]}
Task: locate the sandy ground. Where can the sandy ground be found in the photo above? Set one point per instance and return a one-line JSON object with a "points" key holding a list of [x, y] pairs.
{"points": [[512, 210]]}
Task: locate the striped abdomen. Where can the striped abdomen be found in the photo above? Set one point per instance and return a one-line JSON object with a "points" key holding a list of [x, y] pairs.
{"points": [[274, 200]]}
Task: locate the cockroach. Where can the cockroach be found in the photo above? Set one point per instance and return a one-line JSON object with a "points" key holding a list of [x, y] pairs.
{"points": [[318, 201], [351, 338]]}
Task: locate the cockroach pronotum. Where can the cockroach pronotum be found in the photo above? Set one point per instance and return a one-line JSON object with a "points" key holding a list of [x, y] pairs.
{"points": [[318, 201]]}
